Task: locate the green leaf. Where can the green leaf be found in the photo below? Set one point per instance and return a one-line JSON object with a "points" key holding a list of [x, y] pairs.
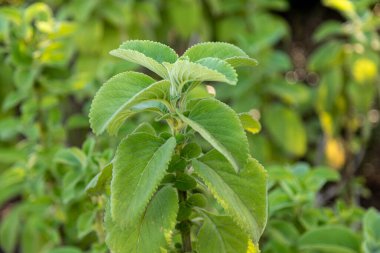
{"points": [[225, 51], [191, 151], [328, 29], [327, 56], [371, 231], [197, 199], [98, 184], [12, 99], [220, 234], [11, 182], [184, 211], [249, 123], [286, 128], [31, 240], [67, 249], [283, 232], [243, 195], [113, 102], [24, 78], [183, 71], [328, 239], [185, 182], [85, 223], [221, 66], [146, 53], [149, 233], [220, 126], [145, 127], [140, 164], [9, 230]]}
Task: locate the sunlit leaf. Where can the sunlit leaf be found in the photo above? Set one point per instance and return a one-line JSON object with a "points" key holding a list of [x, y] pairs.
{"points": [[112, 103], [146, 53], [225, 51]]}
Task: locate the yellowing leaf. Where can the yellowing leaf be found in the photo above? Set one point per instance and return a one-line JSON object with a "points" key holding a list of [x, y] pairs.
{"points": [[340, 5], [335, 153], [252, 248], [249, 123], [326, 122], [364, 70]]}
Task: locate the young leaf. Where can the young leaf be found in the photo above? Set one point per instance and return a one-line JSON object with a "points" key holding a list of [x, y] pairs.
{"points": [[140, 164], [228, 52], [113, 102], [145, 127], [183, 71], [146, 53], [97, 185], [330, 239], [221, 66], [220, 234], [249, 123], [191, 150], [243, 195], [220, 126], [149, 233]]}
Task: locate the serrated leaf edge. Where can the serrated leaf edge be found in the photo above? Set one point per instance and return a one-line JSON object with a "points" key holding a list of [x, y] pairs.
{"points": [[230, 211], [154, 42], [158, 181]]}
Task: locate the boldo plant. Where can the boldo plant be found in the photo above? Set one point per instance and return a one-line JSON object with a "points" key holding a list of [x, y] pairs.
{"points": [[164, 193]]}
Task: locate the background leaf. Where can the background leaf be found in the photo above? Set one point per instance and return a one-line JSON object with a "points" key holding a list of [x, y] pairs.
{"points": [[330, 239]]}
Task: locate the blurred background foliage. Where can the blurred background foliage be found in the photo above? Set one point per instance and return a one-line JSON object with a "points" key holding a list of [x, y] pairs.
{"points": [[315, 92]]}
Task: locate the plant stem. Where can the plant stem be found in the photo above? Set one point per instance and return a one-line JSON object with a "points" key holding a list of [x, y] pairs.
{"points": [[186, 231]]}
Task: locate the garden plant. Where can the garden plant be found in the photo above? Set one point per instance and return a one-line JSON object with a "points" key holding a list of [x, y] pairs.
{"points": [[313, 122], [161, 185]]}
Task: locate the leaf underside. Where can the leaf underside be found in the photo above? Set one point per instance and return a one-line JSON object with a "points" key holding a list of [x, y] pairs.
{"points": [[183, 71], [225, 51], [148, 54]]}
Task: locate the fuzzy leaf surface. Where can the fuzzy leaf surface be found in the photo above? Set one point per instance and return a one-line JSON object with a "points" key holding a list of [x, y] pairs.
{"points": [[210, 69], [140, 164], [225, 51], [114, 100], [220, 126], [243, 195], [220, 234], [149, 233], [148, 54]]}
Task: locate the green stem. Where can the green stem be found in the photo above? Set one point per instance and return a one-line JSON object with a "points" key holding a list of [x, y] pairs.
{"points": [[186, 231]]}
